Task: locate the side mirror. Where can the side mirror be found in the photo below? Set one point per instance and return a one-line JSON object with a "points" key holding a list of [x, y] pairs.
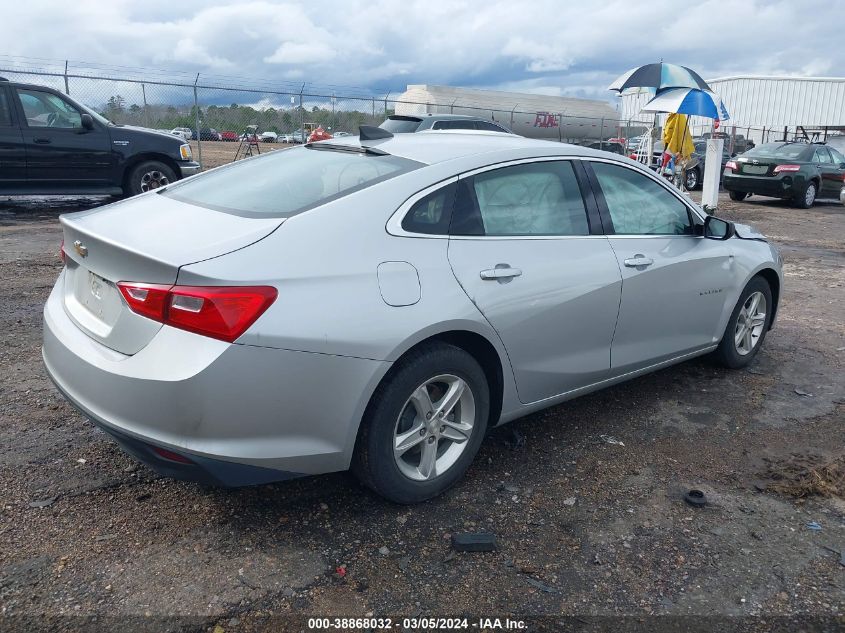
{"points": [[841, 165], [718, 229], [87, 122]]}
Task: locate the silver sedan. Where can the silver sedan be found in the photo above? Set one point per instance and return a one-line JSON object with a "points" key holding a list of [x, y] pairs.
{"points": [[378, 302]]}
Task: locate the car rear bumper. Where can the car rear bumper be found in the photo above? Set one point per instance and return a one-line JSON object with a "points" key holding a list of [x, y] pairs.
{"points": [[241, 414], [781, 186], [189, 168]]}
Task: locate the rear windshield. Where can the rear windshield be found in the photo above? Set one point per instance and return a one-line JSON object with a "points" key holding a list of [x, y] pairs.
{"points": [[400, 125], [287, 182], [781, 150]]}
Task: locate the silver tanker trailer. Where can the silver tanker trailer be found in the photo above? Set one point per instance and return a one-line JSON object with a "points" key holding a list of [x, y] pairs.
{"points": [[564, 119]]}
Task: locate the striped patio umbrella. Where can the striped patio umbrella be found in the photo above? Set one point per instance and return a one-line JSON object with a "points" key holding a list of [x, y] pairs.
{"points": [[658, 77]]}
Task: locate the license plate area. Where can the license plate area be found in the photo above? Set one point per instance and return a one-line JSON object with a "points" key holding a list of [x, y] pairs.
{"points": [[92, 299], [755, 169], [94, 293]]}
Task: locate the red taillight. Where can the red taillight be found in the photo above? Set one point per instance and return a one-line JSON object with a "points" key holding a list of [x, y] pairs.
{"points": [[221, 312], [148, 300], [781, 168], [62, 254], [731, 164]]}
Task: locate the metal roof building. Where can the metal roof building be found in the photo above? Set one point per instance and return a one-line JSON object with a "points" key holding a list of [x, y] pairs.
{"points": [[767, 105]]}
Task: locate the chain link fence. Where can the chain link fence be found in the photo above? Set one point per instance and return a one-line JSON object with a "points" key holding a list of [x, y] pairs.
{"points": [[218, 113]]}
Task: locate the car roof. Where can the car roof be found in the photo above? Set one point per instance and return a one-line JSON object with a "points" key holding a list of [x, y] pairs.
{"points": [[439, 117], [432, 147]]}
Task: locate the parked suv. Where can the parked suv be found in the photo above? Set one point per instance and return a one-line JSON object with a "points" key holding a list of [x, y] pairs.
{"points": [[50, 143], [399, 124]]}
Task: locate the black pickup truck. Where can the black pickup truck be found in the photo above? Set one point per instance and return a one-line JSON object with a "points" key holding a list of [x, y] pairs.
{"points": [[50, 144]]}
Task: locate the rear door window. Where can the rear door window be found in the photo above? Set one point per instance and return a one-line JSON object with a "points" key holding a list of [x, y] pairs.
{"points": [[287, 182], [540, 198], [822, 156]]}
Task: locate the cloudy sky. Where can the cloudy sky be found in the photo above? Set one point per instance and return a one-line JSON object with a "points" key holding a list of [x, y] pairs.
{"points": [[572, 47]]}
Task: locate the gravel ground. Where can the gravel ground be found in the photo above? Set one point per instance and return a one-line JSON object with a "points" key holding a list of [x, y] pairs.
{"points": [[217, 153], [585, 528]]}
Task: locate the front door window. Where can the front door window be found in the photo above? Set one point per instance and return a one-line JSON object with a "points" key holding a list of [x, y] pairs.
{"points": [[44, 109]]}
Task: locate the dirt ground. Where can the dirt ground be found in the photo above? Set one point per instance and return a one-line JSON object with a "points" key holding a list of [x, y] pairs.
{"points": [[587, 529], [217, 153]]}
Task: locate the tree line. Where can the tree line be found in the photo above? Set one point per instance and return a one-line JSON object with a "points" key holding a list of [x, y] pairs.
{"points": [[236, 117]]}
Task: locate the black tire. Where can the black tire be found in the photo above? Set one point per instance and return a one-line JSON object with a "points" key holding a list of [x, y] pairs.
{"points": [[803, 199], [374, 463], [148, 175], [737, 196], [693, 179], [727, 353]]}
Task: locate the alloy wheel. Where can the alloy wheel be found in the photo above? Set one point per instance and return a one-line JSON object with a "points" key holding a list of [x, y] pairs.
{"points": [[153, 180], [434, 427], [750, 323], [810, 195]]}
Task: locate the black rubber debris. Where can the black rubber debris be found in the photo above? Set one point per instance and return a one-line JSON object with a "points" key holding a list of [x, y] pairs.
{"points": [[474, 542], [695, 498]]}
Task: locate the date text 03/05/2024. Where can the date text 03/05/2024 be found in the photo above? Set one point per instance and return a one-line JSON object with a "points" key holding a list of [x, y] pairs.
{"points": [[420, 623]]}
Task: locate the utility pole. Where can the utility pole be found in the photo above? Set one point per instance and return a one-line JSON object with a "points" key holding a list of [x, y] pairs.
{"points": [[197, 119]]}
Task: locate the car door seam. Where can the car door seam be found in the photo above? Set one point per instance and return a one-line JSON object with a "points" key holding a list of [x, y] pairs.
{"points": [[619, 306], [483, 316]]}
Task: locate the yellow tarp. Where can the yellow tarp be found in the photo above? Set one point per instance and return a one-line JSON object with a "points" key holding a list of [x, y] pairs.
{"points": [[677, 137]]}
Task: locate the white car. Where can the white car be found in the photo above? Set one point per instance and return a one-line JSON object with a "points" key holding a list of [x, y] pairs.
{"points": [[182, 132], [269, 137]]}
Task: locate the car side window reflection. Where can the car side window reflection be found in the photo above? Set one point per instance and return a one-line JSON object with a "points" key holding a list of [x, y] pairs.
{"points": [[822, 156], [838, 158], [541, 198], [431, 214], [640, 206], [44, 109]]}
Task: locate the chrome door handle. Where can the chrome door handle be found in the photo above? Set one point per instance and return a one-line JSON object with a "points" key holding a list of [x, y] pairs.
{"points": [[505, 272], [639, 260]]}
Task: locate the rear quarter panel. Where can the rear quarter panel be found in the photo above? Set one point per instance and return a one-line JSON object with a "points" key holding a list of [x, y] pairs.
{"points": [[324, 263]]}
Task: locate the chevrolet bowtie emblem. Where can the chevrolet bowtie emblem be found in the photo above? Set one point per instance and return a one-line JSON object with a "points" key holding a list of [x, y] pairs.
{"points": [[80, 248]]}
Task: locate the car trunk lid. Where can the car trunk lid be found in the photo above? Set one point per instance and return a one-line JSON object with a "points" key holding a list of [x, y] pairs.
{"points": [[145, 239]]}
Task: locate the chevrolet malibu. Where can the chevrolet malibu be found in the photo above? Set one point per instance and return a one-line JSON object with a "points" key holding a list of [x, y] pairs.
{"points": [[379, 302]]}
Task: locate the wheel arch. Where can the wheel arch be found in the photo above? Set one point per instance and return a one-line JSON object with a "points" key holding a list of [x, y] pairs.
{"points": [[480, 345], [773, 279]]}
